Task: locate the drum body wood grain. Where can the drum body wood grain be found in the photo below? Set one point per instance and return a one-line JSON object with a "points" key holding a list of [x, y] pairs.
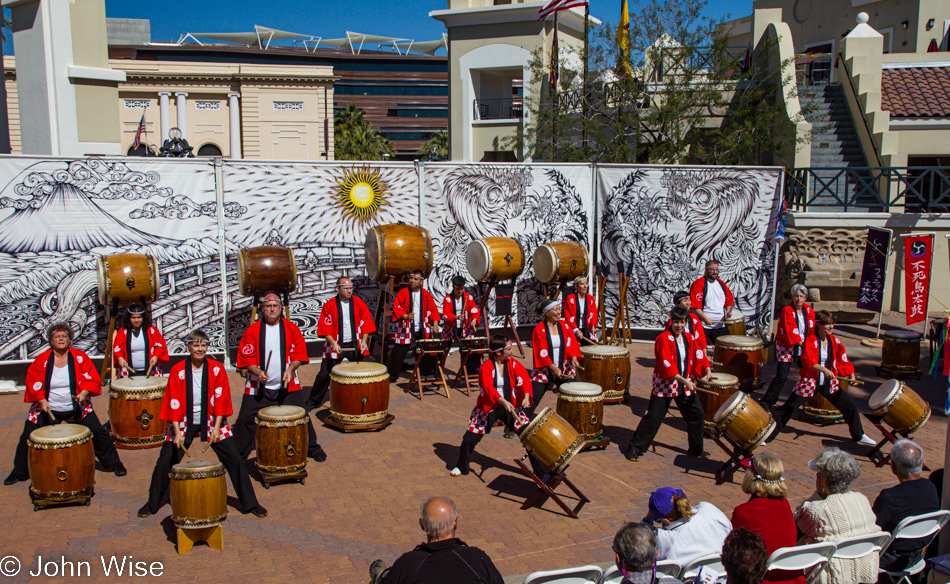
{"points": [[62, 465], [396, 250], [552, 440], [266, 268], [740, 356], [608, 367], [818, 406], [582, 405], [282, 442], [900, 352], [724, 385], [560, 260], [199, 494], [135, 404], [127, 277], [900, 406], [359, 393], [744, 421], [501, 257], [736, 323]]}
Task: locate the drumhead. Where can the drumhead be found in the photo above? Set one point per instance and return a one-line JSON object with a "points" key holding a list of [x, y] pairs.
{"points": [[371, 251], [545, 263], [140, 383], [277, 413], [740, 341], [580, 388], [604, 352], [903, 335], [721, 380], [197, 466], [102, 268], [357, 372], [60, 433], [478, 260], [736, 317], [539, 419], [884, 394], [731, 404]]}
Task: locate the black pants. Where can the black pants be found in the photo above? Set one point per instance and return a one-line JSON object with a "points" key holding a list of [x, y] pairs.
{"points": [[245, 429], [471, 439], [538, 390], [692, 411], [226, 451], [778, 384], [840, 399], [101, 440], [397, 356], [321, 385], [713, 334], [474, 360]]}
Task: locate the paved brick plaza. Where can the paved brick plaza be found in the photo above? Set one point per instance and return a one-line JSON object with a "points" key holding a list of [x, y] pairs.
{"points": [[363, 502]]}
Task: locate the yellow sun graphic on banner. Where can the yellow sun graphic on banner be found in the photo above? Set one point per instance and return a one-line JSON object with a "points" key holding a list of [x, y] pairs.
{"points": [[360, 193]]}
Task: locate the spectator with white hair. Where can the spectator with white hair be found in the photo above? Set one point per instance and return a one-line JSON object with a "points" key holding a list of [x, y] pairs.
{"points": [[634, 550], [912, 496]]}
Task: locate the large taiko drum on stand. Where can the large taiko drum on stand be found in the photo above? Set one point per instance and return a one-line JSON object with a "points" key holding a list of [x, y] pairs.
{"points": [[128, 278], [735, 323], [282, 443], [266, 268], [723, 385], [582, 405], [500, 257], [552, 440], [900, 353], [397, 249], [560, 260], [607, 367], [62, 465], [743, 420], [135, 404], [740, 356], [359, 396], [820, 409], [199, 494], [900, 406]]}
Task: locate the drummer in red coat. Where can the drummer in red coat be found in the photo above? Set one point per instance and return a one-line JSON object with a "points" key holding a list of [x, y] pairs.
{"points": [[580, 312], [556, 352], [694, 326], [823, 360], [414, 312], [679, 362], [277, 345], [795, 323], [461, 315], [197, 404], [712, 301], [138, 347], [59, 383]]}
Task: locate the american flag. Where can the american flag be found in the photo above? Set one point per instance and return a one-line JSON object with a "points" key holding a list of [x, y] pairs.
{"points": [[555, 5], [138, 134]]}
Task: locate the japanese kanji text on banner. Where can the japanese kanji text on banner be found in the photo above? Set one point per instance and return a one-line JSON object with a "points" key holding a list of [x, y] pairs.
{"points": [[918, 256], [874, 272]]}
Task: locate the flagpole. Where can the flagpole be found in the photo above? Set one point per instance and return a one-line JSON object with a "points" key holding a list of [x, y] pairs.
{"points": [[555, 62], [145, 131], [586, 56]]}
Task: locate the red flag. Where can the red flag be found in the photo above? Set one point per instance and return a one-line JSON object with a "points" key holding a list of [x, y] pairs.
{"points": [[932, 47], [556, 5], [138, 133], [918, 255]]}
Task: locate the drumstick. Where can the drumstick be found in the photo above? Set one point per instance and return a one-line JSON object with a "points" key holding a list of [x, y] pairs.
{"points": [[704, 390], [205, 449], [51, 416], [185, 450], [149, 372], [129, 367], [267, 364], [855, 382], [711, 362]]}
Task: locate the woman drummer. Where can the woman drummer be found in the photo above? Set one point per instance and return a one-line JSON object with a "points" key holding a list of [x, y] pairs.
{"points": [[59, 384], [796, 322], [556, 352], [138, 346]]}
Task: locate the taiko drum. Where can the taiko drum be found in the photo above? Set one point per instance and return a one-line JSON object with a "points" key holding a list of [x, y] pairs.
{"points": [[135, 404], [128, 278], [359, 393], [62, 465], [397, 250], [900, 352], [582, 405], [608, 367], [552, 440], [740, 356], [723, 386], [560, 260], [744, 421], [266, 268], [199, 494], [282, 441], [501, 258], [900, 406]]}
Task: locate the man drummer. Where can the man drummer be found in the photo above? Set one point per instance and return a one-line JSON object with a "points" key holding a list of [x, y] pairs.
{"points": [[461, 316], [197, 404], [345, 325], [414, 312], [679, 361], [823, 361], [712, 301], [271, 349], [694, 326], [580, 312]]}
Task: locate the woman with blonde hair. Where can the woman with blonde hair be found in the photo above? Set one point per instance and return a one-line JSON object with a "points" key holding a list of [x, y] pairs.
{"points": [[767, 512], [685, 532]]}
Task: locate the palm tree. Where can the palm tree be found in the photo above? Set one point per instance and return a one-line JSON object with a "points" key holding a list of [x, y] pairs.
{"points": [[436, 147], [355, 139]]}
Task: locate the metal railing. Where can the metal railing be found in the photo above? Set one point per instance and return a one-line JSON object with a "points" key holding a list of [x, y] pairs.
{"points": [[499, 109], [710, 63], [814, 70], [922, 189], [864, 118]]}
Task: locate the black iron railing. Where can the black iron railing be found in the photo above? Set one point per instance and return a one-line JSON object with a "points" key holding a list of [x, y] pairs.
{"points": [[499, 109], [924, 189], [814, 70]]}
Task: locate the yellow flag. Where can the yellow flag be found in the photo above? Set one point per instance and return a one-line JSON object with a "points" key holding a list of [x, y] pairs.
{"points": [[623, 40]]}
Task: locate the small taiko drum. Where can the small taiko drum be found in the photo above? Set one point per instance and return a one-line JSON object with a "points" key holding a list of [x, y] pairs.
{"points": [[135, 404], [477, 344], [266, 268], [552, 440], [900, 352], [582, 405], [62, 465], [359, 394], [501, 258], [560, 260], [900, 406], [743, 420], [723, 385], [128, 278], [607, 367], [282, 443], [735, 323], [822, 410], [199, 494], [740, 356], [396, 250]]}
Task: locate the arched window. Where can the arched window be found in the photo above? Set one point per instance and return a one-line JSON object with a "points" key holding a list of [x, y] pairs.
{"points": [[209, 150], [140, 151]]}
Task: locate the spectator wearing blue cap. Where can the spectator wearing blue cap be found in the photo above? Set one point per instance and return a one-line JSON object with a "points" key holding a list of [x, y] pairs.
{"points": [[685, 533]]}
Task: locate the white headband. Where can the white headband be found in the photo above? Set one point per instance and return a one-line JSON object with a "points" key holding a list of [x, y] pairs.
{"points": [[553, 304]]}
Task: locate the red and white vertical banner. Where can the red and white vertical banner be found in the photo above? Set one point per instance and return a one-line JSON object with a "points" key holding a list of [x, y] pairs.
{"points": [[918, 258]]}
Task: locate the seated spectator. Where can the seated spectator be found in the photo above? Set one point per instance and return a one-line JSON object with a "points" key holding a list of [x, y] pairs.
{"points": [[767, 512], [443, 558], [835, 511], [912, 496], [635, 553], [744, 557], [685, 533]]}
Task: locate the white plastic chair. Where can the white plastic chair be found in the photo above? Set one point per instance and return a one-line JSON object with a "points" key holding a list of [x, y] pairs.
{"points": [[803, 557], [858, 546], [691, 569], [666, 568], [918, 527], [578, 575]]}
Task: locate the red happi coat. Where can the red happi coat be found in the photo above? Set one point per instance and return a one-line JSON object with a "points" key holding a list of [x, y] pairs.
{"points": [[218, 394], [329, 325], [154, 345], [697, 294], [789, 335], [542, 352], [570, 314], [694, 327], [811, 354], [490, 394], [84, 378], [470, 311], [402, 305], [667, 365], [250, 353]]}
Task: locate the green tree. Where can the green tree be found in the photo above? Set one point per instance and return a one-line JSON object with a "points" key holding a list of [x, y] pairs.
{"points": [[355, 139], [436, 146]]}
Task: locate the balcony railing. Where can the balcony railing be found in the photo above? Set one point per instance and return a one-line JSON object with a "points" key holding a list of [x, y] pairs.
{"points": [[924, 189], [499, 109], [813, 70]]}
